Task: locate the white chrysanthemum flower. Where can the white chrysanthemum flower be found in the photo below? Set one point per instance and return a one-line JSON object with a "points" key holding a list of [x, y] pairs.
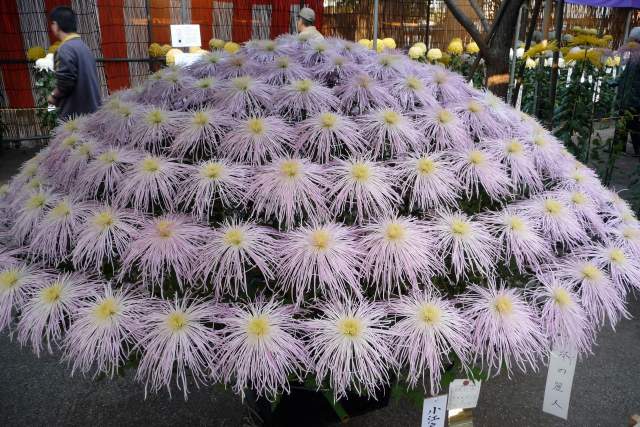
{"points": [[477, 169]]}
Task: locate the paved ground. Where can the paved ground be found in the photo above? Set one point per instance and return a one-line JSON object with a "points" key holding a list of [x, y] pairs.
{"points": [[40, 391]]}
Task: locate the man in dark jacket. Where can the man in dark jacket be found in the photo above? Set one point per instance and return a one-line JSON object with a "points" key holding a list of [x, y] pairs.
{"points": [[77, 90], [629, 94]]}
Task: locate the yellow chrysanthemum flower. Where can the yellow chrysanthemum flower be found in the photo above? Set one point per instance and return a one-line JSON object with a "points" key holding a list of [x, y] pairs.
{"points": [[434, 54], [231, 47], [216, 44], [455, 46], [36, 52], [156, 51], [472, 48]]}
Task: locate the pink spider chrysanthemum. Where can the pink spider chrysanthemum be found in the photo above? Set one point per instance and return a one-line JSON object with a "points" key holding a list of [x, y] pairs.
{"points": [[600, 297], [234, 66], [284, 70], [361, 93], [16, 280], [232, 250], [201, 133], [317, 52], [302, 98], [627, 236], [30, 214], [170, 243], [389, 133], [56, 233], [328, 134], [363, 183], [244, 96], [176, 338], [399, 252], [428, 179], [447, 86], [442, 127], [104, 237], [66, 174], [506, 330], [581, 178], [564, 320], [118, 124], [467, 243], [154, 127], [515, 155], [256, 140], [478, 170], [9, 256], [350, 345], [104, 329], [427, 331], [586, 211], [624, 272], [475, 114], [545, 152], [200, 93], [105, 173], [387, 66], [288, 189], [412, 92], [337, 68], [151, 181], [207, 65], [260, 347], [48, 307], [519, 238], [213, 181], [325, 258], [263, 51]]}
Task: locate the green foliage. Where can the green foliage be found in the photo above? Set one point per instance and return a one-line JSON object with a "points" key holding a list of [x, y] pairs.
{"points": [[45, 83]]}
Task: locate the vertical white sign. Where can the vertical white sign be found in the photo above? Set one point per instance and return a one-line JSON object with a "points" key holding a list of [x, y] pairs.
{"points": [[562, 365], [185, 35], [463, 394], [434, 411]]}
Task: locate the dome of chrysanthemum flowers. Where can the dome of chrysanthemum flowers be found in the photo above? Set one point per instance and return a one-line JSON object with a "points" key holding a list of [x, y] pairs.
{"points": [[309, 209]]}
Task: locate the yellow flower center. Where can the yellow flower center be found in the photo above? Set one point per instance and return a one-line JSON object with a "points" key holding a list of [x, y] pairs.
{"points": [[540, 141], [9, 278], [360, 172], [150, 165], [164, 228], [562, 297], [503, 304], [591, 272], [85, 150], [36, 201], [440, 78], [552, 207], [200, 119], [426, 166], [577, 177], [395, 232], [51, 294], [108, 157], [4, 189], [70, 141], [328, 120], [445, 117], [106, 309], [350, 327], [258, 326], [626, 217], [413, 83], [516, 224], [103, 220], [290, 169], [363, 81], [255, 126], [177, 321], [156, 117], [282, 62], [205, 83], [630, 233], [303, 86], [124, 110], [476, 157], [321, 240], [212, 170], [30, 170], [474, 107], [71, 126], [578, 198], [430, 313], [234, 237], [61, 210], [242, 83], [460, 227], [391, 118], [514, 147], [617, 256]]}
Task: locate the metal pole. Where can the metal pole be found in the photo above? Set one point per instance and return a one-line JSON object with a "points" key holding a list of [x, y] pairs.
{"points": [[545, 19], [627, 24], [183, 13], [375, 25], [147, 6], [426, 34], [556, 57], [512, 66]]}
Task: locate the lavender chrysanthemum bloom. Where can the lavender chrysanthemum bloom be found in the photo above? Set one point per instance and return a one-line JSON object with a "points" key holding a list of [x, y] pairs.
{"points": [[624, 272], [9, 256], [627, 236], [15, 282], [318, 51], [581, 178], [153, 180], [515, 155], [564, 320], [350, 344], [586, 210], [363, 183], [284, 70], [354, 51], [199, 94], [170, 243], [207, 66], [325, 258], [245, 96], [234, 66], [443, 129], [546, 152], [56, 233], [428, 329], [518, 237], [478, 170], [119, 124], [166, 90], [447, 86], [105, 173], [260, 348], [30, 214], [399, 251], [475, 114], [506, 330], [386, 66], [289, 188], [49, 305], [336, 68], [176, 336], [154, 127], [200, 134], [263, 51], [213, 181], [233, 249], [60, 151], [600, 297], [256, 140], [389, 133], [328, 133], [360, 94], [302, 98], [104, 237], [66, 173], [469, 245], [412, 92], [554, 218], [428, 179], [104, 329]]}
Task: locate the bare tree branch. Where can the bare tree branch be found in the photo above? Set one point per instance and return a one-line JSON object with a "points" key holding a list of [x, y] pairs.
{"points": [[483, 19], [467, 24]]}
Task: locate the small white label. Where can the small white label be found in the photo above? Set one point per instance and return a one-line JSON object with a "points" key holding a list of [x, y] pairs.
{"points": [[185, 35], [187, 59], [434, 411], [562, 365], [463, 394]]}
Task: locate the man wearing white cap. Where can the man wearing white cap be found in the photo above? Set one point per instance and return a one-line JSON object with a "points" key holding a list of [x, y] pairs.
{"points": [[305, 24]]}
